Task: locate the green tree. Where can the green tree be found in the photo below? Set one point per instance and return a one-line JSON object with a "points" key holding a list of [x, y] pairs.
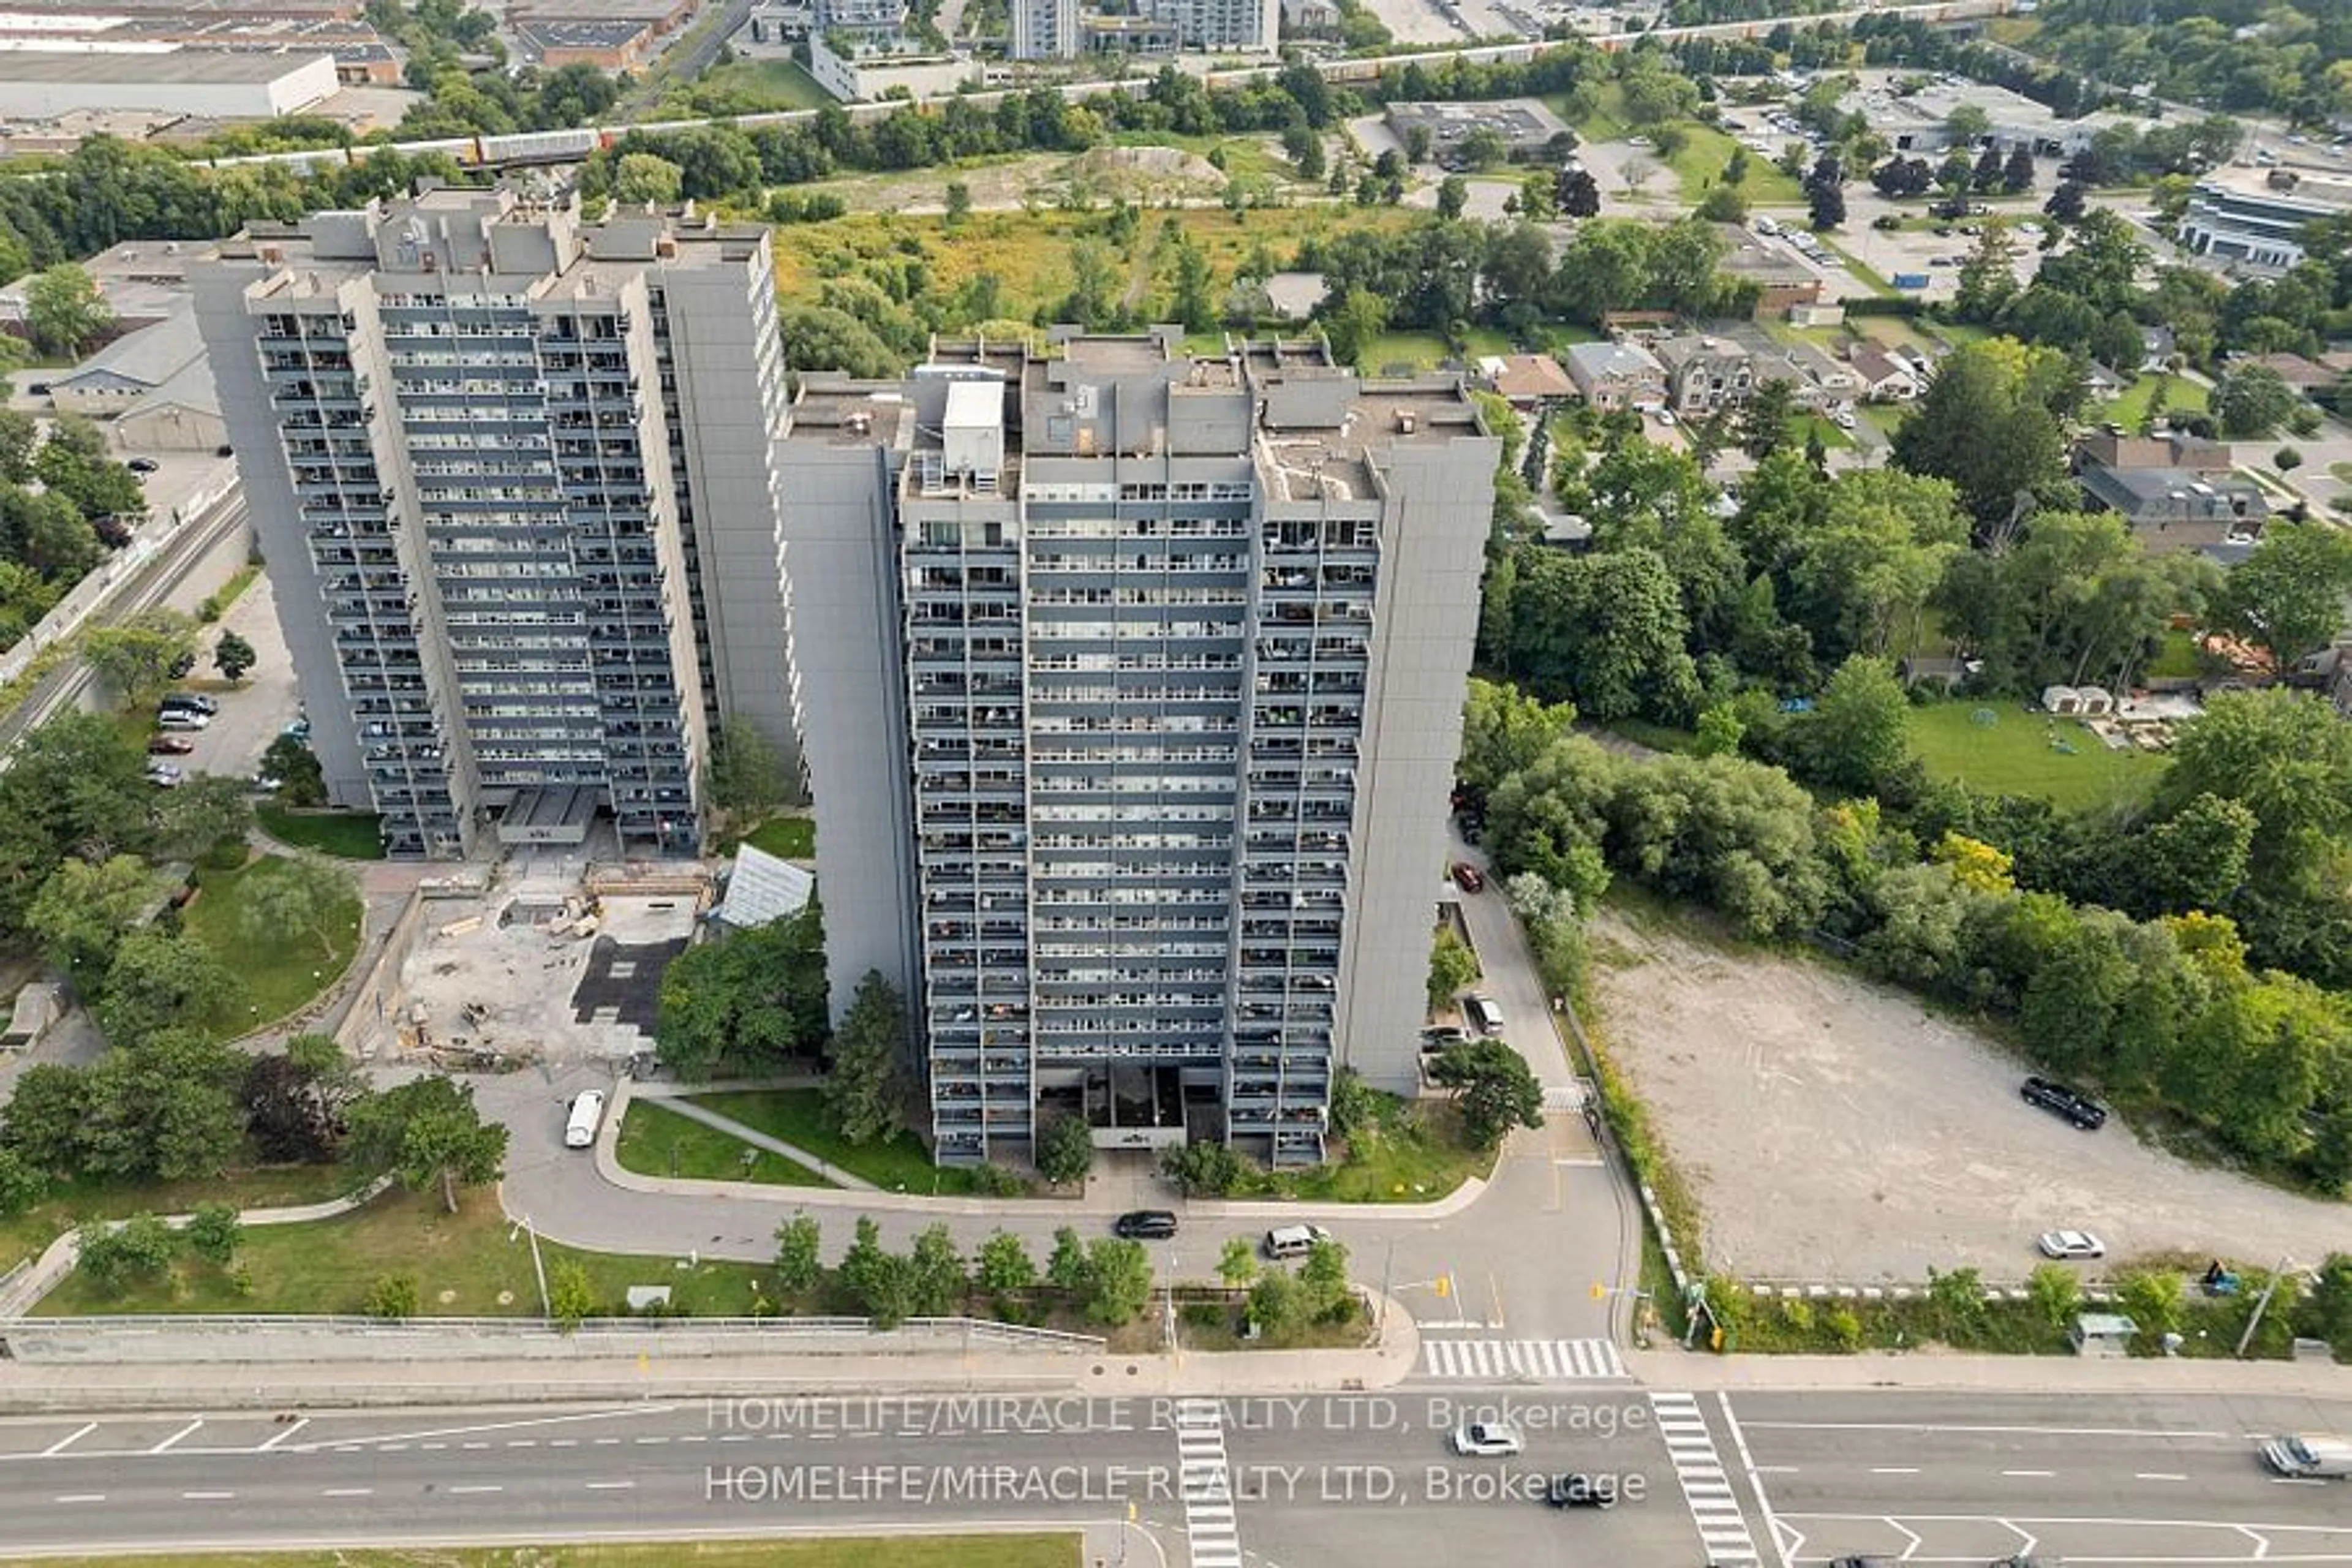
{"points": [[1988, 279], [939, 1276], [1190, 304], [1484, 148], [1204, 1168], [1959, 1301], [750, 996], [2326, 1312], [20, 434], [799, 1263], [1493, 1088], [1237, 1265], [233, 655], [2251, 401], [1990, 422], [45, 1122], [644, 179], [83, 911], [1352, 325], [156, 980], [1117, 1282], [1324, 1277], [215, 1231], [428, 1132], [301, 781], [1452, 968], [393, 1298], [303, 894], [571, 1297], [2057, 1295], [64, 310], [1453, 196], [22, 1183], [112, 1255], [958, 200], [1606, 631], [746, 776], [208, 811], [1278, 1304], [1005, 1267], [2287, 597], [1769, 418], [864, 1083], [137, 658], [1856, 737], [882, 1283], [1066, 1150], [1065, 1269], [2151, 1299]]}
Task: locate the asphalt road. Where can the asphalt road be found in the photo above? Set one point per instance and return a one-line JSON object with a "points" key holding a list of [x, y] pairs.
{"points": [[1291, 1480]]}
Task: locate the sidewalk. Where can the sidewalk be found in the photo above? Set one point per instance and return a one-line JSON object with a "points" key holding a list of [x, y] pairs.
{"points": [[871, 1199], [1701, 1372], [681, 1105], [87, 1386]]}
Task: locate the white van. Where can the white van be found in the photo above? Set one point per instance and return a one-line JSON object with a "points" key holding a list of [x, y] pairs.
{"points": [[2309, 1455], [587, 1114], [1484, 1015], [1294, 1240]]}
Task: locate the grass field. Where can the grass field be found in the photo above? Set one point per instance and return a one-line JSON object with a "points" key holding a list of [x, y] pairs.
{"points": [[989, 1551], [346, 835], [1426, 351], [658, 1141], [283, 970], [798, 1117], [475, 1263], [2014, 754], [2127, 409], [1414, 1153], [757, 85], [2177, 656], [25, 1234], [787, 837], [1698, 164]]}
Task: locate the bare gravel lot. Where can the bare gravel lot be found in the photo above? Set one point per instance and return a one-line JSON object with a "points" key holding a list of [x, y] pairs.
{"points": [[1832, 1130]]}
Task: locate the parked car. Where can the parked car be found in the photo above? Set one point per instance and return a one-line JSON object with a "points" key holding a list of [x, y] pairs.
{"points": [[1466, 877], [142, 465], [169, 746], [2069, 1245], [196, 701], [1487, 1440], [183, 719], [165, 776], [1582, 1491], [2062, 1100], [268, 783], [1443, 1037], [1144, 1224], [1292, 1240]]}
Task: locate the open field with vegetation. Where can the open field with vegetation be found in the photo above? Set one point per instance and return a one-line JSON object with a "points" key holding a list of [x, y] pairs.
{"points": [[2018, 752], [799, 1117], [2130, 407], [72, 1204], [283, 970], [346, 835], [658, 1141]]}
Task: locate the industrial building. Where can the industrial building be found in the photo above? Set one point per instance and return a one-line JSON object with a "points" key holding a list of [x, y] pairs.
{"points": [[40, 84], [1528, 129], [1131, 683], [2255, 218], [513, 477]]}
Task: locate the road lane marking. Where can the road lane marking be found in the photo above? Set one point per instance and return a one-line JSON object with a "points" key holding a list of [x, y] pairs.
{"points": [[1530, 1361], [471, 1491], [64, 1443], [1706, 1491], [610, 1486], [208, 1497], [1212, 1533], [348, 1491], [2159, 1475], [80, 1496], [1893, 1469], [2035, 1475], [1781, 1546], [1932, 1426], [298, 1426], [517, 1425], [175, 1437]]}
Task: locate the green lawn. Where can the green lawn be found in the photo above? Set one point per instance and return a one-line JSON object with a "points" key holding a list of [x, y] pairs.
{"points": [[766, 84], [1413, 1154], [788, 838], [283, 970], [75, 1203], [1887, 417], [1427, 351], [989, 1551], [1657, 737], [2014, 754], [474, 1263], [2178, 656], [1826, 430], [798, 1117], [658, 1141], [1698, 164], [2127, 409], [346, 835]]}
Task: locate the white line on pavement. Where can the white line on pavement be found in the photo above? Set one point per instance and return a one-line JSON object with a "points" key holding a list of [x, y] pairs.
{"points": [[64, 1443], [2159, 1475], [348, 1491], [208, 1497], [470, 1491], [1755, 1483], [298, 1426], [517, 1425], [1932, 1426], [1893, 1469], [2037, 1475], [80, 1496], [610, 1486], [175, 1437]]}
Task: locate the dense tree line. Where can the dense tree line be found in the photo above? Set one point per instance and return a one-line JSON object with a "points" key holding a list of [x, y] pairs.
{"points": [[2290, 58]]}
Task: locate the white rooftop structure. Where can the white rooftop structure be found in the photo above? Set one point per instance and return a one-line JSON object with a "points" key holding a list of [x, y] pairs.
{"points": [[764, 889]]}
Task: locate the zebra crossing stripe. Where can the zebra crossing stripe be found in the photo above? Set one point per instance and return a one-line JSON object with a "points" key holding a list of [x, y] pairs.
{"points": [[1533, 1360], [1706, 1490], [1212, 1531]]}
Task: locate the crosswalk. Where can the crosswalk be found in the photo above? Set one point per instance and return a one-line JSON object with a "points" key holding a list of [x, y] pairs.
{"points": [[1532, 1361], [1206, 1482], [1713, 1507]]}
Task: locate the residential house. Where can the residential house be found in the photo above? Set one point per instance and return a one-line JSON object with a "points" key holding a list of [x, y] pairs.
{"points": [[1617, 375], [1837, 379], [2156, 347], [2329, 673], [1885, 377], [1705, 372], [2307, 377], [2175, 492], [1526, 381]]}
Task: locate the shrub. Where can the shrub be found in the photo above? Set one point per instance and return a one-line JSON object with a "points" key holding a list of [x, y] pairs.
{"points": [[1066, 1150], [215, 1230], [995, 1181], [394, 1297]]}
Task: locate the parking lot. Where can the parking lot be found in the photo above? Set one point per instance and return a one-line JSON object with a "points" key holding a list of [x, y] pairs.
{"points": [[1833, 1131]]}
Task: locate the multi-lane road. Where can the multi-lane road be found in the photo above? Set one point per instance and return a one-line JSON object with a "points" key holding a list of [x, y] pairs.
{"points": [[1780, 1478]]}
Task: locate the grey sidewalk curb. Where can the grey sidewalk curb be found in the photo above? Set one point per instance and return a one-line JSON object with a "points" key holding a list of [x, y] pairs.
{"points": [[1928, 1372], [608, 1167]]}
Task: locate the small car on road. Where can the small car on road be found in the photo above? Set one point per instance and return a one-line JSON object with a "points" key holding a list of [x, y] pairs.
{"points": [[1487, 1440], [2071, 1244], [1582, 1491], [1467, 876], [169, 746], [2062, 1100], [1144, 1224], [165, 776]]}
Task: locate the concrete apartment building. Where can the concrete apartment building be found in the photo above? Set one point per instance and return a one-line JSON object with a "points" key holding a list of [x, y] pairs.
{"points": [[1063, 29], [1131, 684], [512, 475]]}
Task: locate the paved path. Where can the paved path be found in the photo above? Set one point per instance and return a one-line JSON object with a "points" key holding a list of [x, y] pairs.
{"points": [[682, 1106]]}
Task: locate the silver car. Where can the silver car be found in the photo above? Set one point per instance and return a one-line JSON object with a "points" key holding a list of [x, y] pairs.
{"points": [[2072, 1244], [1487, 1440]]}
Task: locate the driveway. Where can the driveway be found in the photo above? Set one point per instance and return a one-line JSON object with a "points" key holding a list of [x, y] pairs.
{"points": [[1834, 1131]]}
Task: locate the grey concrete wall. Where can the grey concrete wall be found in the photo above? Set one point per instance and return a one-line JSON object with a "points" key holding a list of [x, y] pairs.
{"points": [[1425, 624], [730, 402], [846, 665]]}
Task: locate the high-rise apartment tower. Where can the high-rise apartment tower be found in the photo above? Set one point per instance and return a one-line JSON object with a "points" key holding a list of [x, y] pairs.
{"points": [[513, 477], [1131, 683]]}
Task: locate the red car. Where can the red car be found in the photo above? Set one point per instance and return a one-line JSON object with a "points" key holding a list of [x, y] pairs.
{"points": [[1466, 877], [169, 746]]}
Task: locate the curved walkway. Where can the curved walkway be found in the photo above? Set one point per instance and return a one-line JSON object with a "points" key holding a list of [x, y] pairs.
{"points": [[23, 1291], [679, 1104]]}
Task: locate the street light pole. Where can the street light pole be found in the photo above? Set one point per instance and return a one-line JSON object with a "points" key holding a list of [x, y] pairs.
{"points": [[1388, 1271], [2261, 1306]]}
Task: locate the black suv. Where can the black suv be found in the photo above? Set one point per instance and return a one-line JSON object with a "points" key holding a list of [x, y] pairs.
{"points": [[2071, 1103], [1144, 1224], [1582, 1491]]}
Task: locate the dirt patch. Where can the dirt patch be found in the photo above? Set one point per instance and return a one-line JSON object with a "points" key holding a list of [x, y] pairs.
{"points": [[1834, 1130]]}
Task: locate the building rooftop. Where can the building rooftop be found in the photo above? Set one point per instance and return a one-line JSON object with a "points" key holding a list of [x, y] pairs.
{"points": [[1522, 122], [840, 412], [1614, 359], [206, 67], [552, 33], [152, 355], [2326, 190]]}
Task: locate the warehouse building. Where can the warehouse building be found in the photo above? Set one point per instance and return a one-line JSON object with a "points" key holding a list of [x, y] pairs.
{"points": [[38, 84]]}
